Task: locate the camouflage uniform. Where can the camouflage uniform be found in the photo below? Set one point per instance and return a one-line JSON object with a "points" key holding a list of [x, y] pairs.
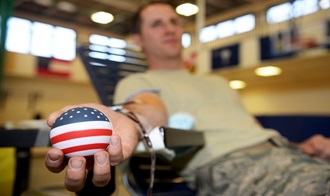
{"points": [[266, 169]]}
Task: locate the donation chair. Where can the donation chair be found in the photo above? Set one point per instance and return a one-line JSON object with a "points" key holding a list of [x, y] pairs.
{"points": [[136, 172]]}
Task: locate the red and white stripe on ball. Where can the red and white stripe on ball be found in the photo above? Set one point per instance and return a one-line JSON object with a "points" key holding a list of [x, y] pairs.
{"points": [[81, 138]]}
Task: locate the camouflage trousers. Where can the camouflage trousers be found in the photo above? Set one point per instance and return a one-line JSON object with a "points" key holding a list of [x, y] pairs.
{"points": [[267, 169]]}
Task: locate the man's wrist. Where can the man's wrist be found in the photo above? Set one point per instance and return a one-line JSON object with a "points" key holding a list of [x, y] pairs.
{"points": [[130, 115]]}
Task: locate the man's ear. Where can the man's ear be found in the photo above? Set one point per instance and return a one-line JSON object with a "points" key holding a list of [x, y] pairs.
{"points": [[137, 40]]}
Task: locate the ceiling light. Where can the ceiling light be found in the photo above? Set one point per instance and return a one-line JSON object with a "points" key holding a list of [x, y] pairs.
{"points": [[237, 84], [324, 4], [268, 71], [187, 9], [46, 3], [66, 6], [102, 17]]}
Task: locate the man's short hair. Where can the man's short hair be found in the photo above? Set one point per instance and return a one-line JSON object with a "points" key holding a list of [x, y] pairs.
{"points": [[137, 21]]}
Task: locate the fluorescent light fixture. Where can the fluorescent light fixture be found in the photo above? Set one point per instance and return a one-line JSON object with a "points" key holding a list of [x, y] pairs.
{"points": [[237, 84], [187, 9], [98, 39], [268, 71], [98, 48], [102, 17], [117, 51], [98, 55], [116, 58], [117, 43], [98, 64]]}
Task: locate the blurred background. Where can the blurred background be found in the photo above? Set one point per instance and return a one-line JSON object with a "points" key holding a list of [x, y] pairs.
{"points": [[275, 53]]}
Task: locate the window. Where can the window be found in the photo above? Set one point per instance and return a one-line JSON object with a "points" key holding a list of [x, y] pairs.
{"points": [[304, 7], [279, 13], [225, 29], [297, 8], [18, 35], [42, 35], [40, 39], [228, 28], [208, 34], [64, 43], [245, 23], [186, 40]]}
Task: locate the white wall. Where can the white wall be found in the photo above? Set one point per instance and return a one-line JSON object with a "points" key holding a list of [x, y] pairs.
{"points": [[310, 98]]}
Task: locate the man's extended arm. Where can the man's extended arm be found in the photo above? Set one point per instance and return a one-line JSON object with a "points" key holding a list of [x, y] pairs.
{"points": [[122, 144]]}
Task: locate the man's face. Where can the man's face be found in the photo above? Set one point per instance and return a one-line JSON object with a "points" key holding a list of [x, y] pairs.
{"points": [[161, 31]]}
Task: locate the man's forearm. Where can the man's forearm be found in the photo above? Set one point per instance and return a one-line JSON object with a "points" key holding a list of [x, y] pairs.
{"points": [[150, 108]]}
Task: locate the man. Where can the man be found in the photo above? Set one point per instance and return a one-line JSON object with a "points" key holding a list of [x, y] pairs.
{"points": [[238, 153]]}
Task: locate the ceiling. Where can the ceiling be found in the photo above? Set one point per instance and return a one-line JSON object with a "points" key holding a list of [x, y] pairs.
{"points": [[78, 11]]}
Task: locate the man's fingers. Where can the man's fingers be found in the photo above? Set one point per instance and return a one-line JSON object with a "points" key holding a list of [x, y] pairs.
{"points": [[76, 174], [115, 150], [55, 160], [101, 171], [103, 161]]}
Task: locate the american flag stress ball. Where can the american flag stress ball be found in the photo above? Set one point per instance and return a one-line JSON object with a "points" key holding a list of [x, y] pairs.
{"points": [[81, 131]]}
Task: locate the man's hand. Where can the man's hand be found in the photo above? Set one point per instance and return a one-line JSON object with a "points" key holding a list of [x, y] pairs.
{"points": [[122, 144], [317, 146]]}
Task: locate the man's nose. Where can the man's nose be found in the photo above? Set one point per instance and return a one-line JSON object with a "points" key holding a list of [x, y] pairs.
{"points": [[169, 27]]}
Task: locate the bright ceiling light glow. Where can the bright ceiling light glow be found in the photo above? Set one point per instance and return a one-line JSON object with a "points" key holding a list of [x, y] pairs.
{"points": [[237, 84], [324, 4], [268, 71], [102, 17], [187, 9]]}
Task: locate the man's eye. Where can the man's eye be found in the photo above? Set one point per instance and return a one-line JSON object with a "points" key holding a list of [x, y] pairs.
{"points": [[176, 22], [156, 24]]}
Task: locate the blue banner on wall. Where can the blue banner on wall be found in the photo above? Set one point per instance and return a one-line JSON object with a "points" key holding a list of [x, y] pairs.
{"points": [[271, 49], [328, 34], [225, 57]]}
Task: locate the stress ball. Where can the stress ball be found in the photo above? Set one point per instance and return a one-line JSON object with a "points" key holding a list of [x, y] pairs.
{"points": [[81, 131]]}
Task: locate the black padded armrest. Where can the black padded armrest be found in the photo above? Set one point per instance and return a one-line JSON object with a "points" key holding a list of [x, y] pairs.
{"points": [[174, 138], [24, 138], [185, 143]]}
